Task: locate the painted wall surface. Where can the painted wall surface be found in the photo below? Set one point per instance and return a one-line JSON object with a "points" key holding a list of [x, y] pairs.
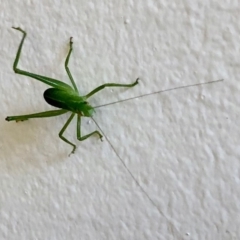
{"points": [[169, 165]]}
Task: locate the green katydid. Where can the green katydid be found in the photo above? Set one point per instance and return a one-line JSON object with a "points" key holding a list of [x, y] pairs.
{"points": [[63, 96], [67, 98]]}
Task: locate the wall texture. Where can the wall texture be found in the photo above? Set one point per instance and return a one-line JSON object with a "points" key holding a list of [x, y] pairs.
{"points": [[169, 165]]}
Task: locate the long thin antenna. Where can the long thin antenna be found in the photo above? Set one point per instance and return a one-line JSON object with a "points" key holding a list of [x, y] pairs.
{"points": [[161, 91], [123, 163], [136, 181]]}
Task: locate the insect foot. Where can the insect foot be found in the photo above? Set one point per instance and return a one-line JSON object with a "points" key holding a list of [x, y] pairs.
{"points": [[15, 118], [72, 152], [136, 82], [17, 28]]}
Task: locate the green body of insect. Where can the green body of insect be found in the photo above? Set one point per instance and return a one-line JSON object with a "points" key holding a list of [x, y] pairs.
{"points": [[62, 96]]}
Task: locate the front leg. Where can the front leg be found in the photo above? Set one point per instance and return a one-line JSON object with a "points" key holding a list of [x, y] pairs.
{"points": [[111, 85], [82, 138]]}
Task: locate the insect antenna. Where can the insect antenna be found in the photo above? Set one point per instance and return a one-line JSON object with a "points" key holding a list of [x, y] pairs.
{"points": [[137, 182], [161, 91], [172, 227]]}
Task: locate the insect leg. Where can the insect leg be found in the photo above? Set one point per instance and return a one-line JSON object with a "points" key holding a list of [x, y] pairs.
{"points": [[111, 85], [66, 65], [49, 81], [63, 130], [51, 113], [81, 138]]}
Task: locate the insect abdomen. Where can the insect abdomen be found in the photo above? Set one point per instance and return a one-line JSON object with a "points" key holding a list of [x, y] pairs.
{"points": [[59, 98]]}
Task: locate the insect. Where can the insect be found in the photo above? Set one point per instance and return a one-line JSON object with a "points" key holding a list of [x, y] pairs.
{"points": [[63, 96]]}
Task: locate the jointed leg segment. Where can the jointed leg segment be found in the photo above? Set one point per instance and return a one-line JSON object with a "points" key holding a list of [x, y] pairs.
{"points": [[81, 138], [63, 130], [111, 85], [51, 113], [66, 65], [49, 81]]}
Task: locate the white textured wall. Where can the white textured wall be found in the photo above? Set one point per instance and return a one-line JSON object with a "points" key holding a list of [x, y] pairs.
{"points": [[182, 146]]}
